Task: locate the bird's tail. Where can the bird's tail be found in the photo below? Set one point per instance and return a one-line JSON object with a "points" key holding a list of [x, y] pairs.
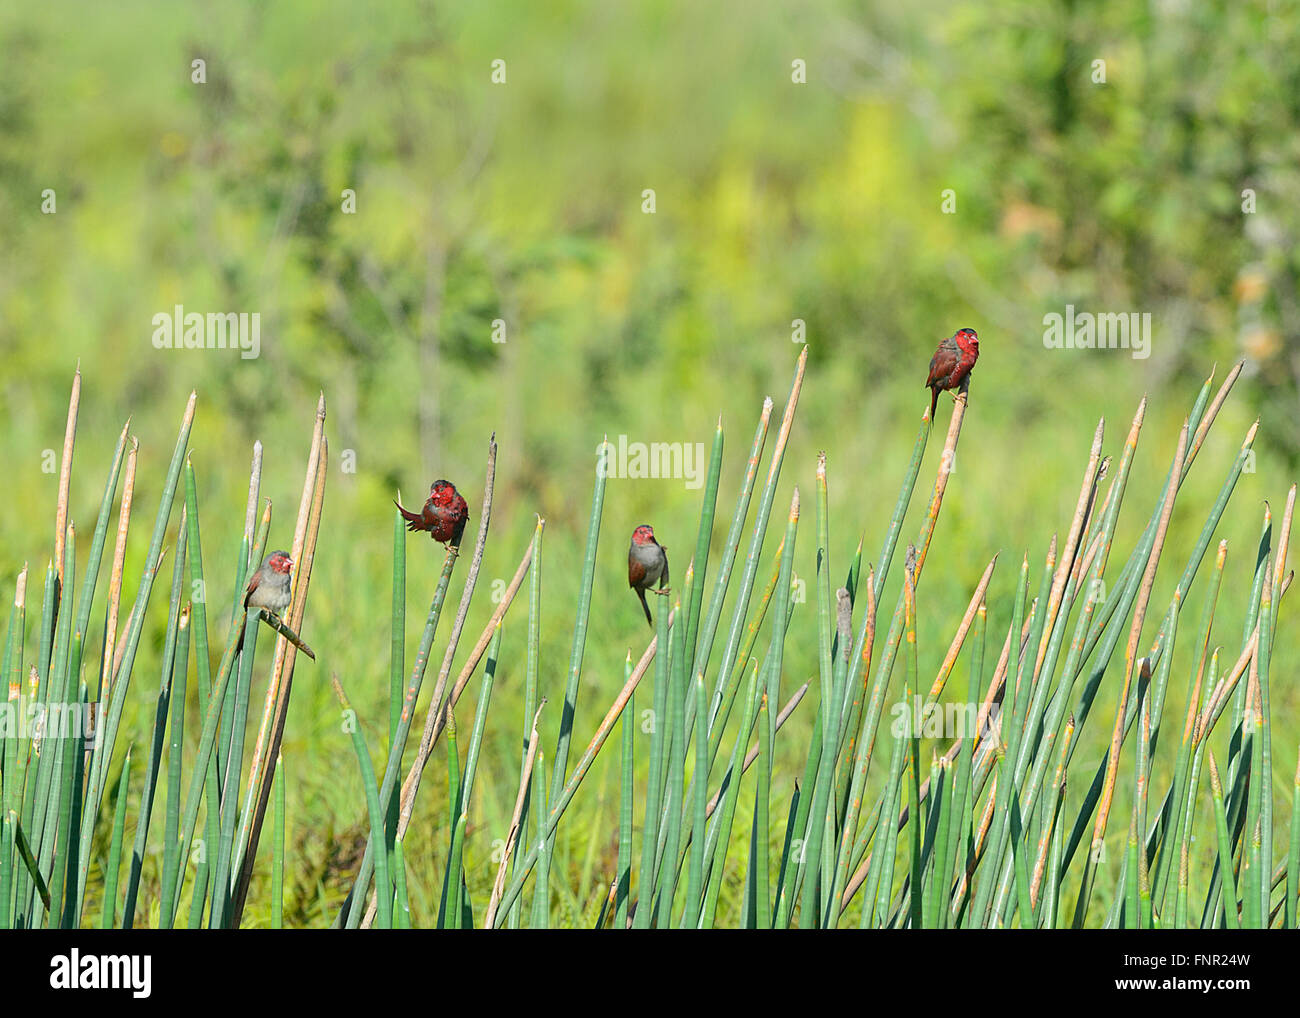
{"points": [[641, 594], [242, 628], [934, 403], [413, 520]]}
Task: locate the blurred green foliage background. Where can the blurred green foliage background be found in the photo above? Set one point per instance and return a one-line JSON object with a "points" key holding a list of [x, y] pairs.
{"points": [[775, 200]]}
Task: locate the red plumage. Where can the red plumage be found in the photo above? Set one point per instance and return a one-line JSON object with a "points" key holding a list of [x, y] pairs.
{"points": [[443, 516], [951, 364]]}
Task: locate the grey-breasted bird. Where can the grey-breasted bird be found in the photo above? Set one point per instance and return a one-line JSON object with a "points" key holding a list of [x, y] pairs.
{"points": [[269, 587], [647, 566], [269, 590]]}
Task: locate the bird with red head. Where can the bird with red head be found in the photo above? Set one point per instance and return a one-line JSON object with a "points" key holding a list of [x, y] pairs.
{"points": [[269, 587], [951, 364], [647, 566], [443, 516]]}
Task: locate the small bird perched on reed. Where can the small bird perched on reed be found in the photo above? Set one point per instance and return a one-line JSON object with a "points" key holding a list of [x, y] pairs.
{"points": [[951, 364], [443, 516], [647, 566], [269, 587]]}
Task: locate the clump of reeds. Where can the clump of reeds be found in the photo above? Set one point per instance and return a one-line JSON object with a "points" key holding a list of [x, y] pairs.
{"points": [[978, 835], [64, 712]]}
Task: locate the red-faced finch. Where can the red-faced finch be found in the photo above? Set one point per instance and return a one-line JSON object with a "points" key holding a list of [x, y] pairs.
{"points": [[269, 590], [647, 566], [269, 587], [443, 516], [951, 363]]}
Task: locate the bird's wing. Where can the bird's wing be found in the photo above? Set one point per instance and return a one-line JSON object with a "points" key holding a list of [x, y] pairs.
{"points": [[461, 516], [635, 570], [943, 361], [253, 581]]}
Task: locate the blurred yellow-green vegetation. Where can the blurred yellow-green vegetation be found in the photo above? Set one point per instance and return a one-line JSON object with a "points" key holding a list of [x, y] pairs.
{"points": [[1163, 180]]}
